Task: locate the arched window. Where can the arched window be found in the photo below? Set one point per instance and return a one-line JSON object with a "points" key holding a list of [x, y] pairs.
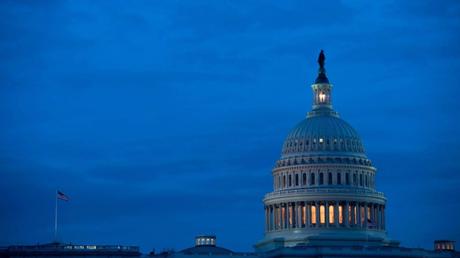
{"points": [[347, 178], [322, 214], [290, 180], [331, 214], [340, 214], [313, 214], [339, 178], [355, 182], [367, 181], [321, 178], [329, 178], [360, 179], [312, 179], [297, 179], [304, 179], [284, 181]]}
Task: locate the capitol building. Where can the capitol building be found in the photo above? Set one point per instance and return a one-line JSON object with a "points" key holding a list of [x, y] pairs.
{"points": [[324, 201], [323, 184]]}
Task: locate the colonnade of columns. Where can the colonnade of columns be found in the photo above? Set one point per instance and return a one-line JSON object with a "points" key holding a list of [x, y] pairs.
{"points": [[324, 214]]}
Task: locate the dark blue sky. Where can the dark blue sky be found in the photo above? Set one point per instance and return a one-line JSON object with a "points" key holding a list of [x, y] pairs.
{"points": [[162, 119]]}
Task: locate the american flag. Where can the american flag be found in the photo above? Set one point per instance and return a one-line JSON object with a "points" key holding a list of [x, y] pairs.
{"points": [[62, 196]]}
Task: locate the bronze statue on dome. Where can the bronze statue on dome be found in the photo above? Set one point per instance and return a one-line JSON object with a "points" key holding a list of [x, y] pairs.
{"points": [[321, 59]]}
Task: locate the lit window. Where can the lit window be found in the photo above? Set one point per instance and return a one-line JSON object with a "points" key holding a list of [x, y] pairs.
{"points": [[349, 215], [341, 214], [322, 97], [331, 214], [322, 214], [313, 214], [321, 140]]}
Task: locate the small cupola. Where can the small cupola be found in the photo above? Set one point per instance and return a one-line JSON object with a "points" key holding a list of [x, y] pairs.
{"points": [[205, 240]]}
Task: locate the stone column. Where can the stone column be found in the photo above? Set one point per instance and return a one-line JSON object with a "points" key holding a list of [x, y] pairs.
{"points": [[346, 214], [383, 217], [365, 214], [279, 220], [299, 215], [266, 218], [283, 216], [271, 217], [371, 207], [353, 214], [318, 219], [336, 214], [358, 213], [294, 214], [275, 220]]}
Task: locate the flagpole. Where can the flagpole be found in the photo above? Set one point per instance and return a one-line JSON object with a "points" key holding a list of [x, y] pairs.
{"points": [[55, 216]]}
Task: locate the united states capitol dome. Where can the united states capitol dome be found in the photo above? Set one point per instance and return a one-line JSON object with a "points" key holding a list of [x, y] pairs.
{"points": [[324, 133]]}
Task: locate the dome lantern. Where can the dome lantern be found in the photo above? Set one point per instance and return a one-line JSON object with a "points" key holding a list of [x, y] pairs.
{"points": [[322, 91]]}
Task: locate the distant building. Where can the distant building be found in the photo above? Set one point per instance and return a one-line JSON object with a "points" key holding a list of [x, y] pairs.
{"points": [[444, 245], [69, 251], [205, 246]]}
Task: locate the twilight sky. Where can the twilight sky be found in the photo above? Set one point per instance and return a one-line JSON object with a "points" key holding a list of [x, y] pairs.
{"points": [[163, 119]]}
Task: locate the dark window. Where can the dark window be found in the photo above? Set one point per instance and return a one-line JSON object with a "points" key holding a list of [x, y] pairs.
{"points": [[304, 179], [360, 179], [312, 179], [347, 178], [329, 178], [290, 180], [296, 179], [339, 178], [284, 181], [355, 181], [321, 178]]}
